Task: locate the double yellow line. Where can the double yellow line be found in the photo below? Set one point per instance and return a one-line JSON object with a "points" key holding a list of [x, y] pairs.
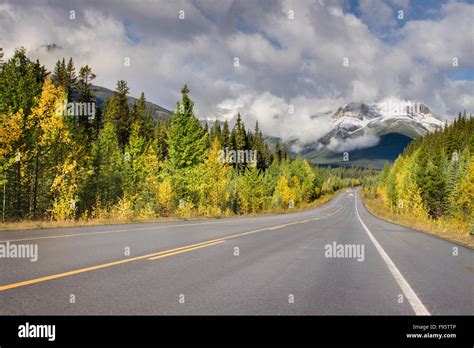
{"points": [[159, 255], [184, 249], [153, 256]]}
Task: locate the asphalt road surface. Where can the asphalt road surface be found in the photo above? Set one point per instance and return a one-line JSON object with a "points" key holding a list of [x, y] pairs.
{"points": [[269, 265]]}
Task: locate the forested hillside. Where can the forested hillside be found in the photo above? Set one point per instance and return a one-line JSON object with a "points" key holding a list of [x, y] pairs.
{"points": [[434, 178], [63, 158]]}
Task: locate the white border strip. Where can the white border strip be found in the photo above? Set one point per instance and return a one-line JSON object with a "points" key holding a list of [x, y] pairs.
{"points": [[415, 302]]}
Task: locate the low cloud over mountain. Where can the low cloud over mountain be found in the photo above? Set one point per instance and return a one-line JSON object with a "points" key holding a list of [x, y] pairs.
{"points": [[284, 63]]}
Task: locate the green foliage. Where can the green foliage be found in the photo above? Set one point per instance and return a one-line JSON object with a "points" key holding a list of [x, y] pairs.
{"points": [[187, 141], [117, 111], [105, 180], [252, 190], [21, 83], [214, 179], [143, 118], [126, 165], [433, 178]]}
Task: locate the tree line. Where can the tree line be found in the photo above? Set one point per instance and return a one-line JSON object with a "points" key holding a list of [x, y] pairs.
{"points": [[434, 178], [124, 163]]}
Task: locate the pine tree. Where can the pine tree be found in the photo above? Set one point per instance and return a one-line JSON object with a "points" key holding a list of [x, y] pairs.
{"points": [[258, 145], [83, 84], [71, 79], [463, 198], [143, 117], [434, 189], [22, 84], [21, 81], [160, 141], [240, 137], [117, 111], [105, 180], [187, 141], [140, 182], [225, 135], [205, 130], [277, 154], [251, 187], [216, 132], [60, 77], [83, 89]]}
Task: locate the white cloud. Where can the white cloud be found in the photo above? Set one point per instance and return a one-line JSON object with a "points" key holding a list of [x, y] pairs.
{"points": [[350, 144], [283, 62], [377, 13], [438, 42]]}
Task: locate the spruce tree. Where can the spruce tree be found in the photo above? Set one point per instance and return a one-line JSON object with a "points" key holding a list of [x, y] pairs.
{"points": [[225, 135], [143, 117], [118, 112], [216, 132], [187, 141], [71, 79]]}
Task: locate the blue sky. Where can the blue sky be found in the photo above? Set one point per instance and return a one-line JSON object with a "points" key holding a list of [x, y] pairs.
{"points": [[283, 61], [412, 11]]}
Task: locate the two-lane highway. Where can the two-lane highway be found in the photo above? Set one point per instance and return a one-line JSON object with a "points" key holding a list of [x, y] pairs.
{"points": [[335, 259]]}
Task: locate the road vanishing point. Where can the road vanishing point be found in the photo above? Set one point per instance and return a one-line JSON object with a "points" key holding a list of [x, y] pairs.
{"points": [[264, 265]]}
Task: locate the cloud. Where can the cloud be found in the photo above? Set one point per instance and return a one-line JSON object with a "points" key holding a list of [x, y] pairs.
{"points": [[438, 42], [377, 14], [367, 140], [283, 62]]}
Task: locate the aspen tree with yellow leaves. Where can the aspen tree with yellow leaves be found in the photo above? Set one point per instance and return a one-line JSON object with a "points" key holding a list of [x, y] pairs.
{"points": [[128, 164]]}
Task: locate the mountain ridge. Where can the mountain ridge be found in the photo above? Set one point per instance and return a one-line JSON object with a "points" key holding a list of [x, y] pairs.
{"points": [[103, 93], [381, 131], [389, 127]]}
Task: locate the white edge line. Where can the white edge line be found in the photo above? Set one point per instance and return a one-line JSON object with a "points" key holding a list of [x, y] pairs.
{"points": [[112, 231], [415, 302]]}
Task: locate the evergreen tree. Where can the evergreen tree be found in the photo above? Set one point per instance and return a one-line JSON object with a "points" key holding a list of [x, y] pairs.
{"points": [[59, 76], [22, 82], [106, 179], [187, 141], [53, 165], [463, 198], [434, 186], [277, 154], [239, 135], [427, 178], [71, 79], [83, 88], [251, 187], [143, 117], [259, 145], [225, 135], [160, 142], [216, 132], [117, 111], [206, 132]]}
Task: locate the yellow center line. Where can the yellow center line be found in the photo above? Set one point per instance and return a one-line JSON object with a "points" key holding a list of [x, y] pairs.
{"points": [[156, 255], [185, 250]]}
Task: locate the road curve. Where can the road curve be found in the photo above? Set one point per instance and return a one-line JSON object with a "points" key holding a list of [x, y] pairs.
{"points": [[270, 265]]}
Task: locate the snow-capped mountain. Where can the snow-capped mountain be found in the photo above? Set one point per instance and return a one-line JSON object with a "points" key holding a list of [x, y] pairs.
{"points": [[372, 133], [403, 117]]}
